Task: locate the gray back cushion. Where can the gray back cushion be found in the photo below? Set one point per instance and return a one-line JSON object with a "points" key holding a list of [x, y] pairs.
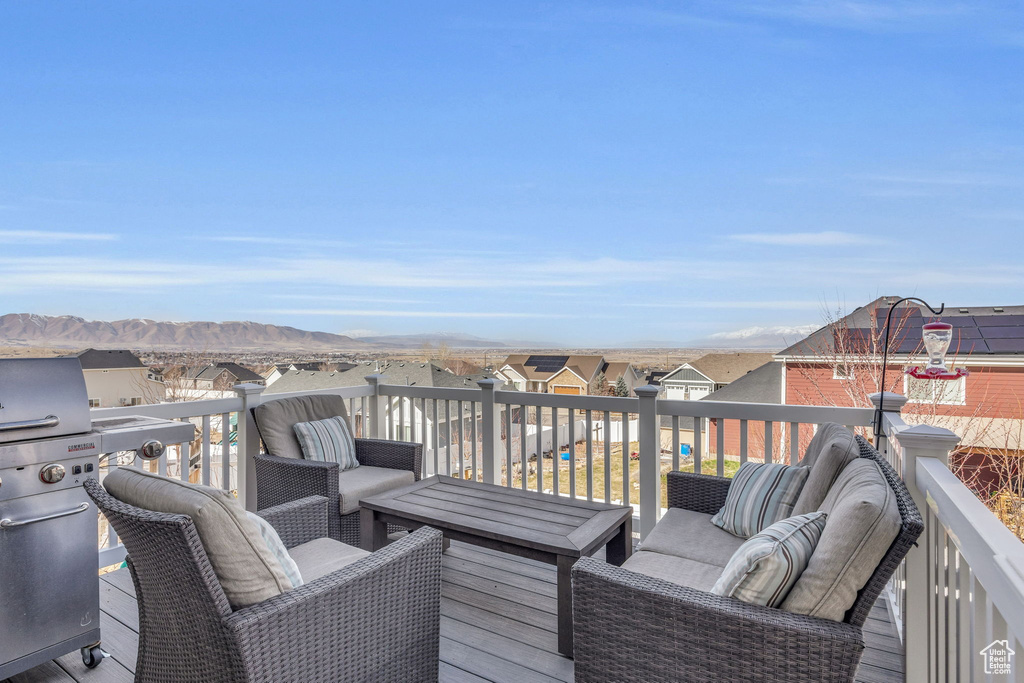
{"points": [[832, 449], [863, 521], [248, 572], [276, 420]]}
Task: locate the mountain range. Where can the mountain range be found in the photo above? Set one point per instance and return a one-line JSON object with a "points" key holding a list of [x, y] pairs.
{"points": [[66, 331]]}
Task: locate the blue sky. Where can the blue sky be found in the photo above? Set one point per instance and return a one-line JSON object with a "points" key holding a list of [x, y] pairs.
{"points": [[585, 173]]}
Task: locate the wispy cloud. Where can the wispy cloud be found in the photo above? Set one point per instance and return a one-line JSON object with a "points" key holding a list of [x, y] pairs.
{"points": [[940, 179], [384, 313], [826, 238], [912, 15], [737, 305], [46, 237]]}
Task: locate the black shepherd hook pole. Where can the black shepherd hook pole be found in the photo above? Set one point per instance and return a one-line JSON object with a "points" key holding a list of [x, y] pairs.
{"points": [[885, 355]]}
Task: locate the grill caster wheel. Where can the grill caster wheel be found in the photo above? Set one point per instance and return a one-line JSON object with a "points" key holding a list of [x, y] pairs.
{"points": [[92, 656]]}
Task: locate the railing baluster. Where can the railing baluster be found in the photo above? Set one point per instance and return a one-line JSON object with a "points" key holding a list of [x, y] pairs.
{"points": [[434, 429], [400, 432], [675, 443], [508, 444], [225, 451], [540, 452], [743, 441], [626, 483], [462, 440], [698, 444], [477, 469], [556, 452], [572, 453], [524, 415], [720, 447], [965, 653], [590, 454], [448, 441], [940, 600], [184, 460], [769, 436], [205, 463], [363, 431], [607, 457], [794, 443]]}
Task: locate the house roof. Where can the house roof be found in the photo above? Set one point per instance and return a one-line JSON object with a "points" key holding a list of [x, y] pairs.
{"points": [[108, 359], [655, 376], [612, 371], [211, 372], [542, 367], [722, 368], [977, 330], [410, 374], [760, 385]]}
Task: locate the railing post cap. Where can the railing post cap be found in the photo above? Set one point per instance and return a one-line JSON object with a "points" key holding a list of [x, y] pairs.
{"points": [[249, 388], [928, 436], [489, 383], [893, 402], [374, 379], [647, 391]]}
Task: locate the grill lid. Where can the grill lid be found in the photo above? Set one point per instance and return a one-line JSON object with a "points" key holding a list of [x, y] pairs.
{"points": [[42, 397]]}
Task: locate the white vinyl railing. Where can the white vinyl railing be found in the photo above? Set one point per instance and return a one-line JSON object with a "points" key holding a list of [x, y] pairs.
{"points": [[958, 599], [959, 591]]}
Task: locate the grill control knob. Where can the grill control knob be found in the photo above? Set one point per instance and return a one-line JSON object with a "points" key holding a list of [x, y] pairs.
{"points": [[52, 473], [151, 450]]}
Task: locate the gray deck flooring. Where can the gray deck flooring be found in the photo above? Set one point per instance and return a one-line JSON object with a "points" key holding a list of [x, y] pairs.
{"points": [[498, 624]]}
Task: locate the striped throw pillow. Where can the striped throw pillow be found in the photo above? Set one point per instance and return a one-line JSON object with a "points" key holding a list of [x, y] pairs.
{"points": [[764, 569], [276, 546], [760, 495], [328, 441]]}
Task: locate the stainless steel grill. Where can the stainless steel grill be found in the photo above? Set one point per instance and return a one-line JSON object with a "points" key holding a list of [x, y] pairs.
{"points": [[49, 587]]}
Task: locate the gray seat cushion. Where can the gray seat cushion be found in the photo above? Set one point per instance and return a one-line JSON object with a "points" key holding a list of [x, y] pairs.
{"points": [[322, 556], [863, 521], [276, 420], [830, 451], [678, 570], [247, 569], [366, 481], [691, 535]]}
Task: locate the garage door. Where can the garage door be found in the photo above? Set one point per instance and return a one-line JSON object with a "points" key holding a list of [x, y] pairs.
{"points": [[567, 390]]}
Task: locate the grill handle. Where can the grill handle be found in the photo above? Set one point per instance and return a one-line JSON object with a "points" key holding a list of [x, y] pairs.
{"points": [[8, 523], [48, 421]]}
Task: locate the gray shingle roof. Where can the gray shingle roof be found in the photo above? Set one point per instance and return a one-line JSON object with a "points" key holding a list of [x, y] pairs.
{"points": [[108, 359], [761, 385]]}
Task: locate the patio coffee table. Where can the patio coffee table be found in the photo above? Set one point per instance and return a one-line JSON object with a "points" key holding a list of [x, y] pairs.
{"points": [[552, 529]]}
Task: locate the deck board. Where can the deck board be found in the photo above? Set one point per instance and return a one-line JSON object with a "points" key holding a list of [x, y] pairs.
{"points": [[498, 625]]}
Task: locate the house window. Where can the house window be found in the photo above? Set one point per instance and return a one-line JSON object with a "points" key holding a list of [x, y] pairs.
{"points": [[132, 401], [842, 371], [94, 403], [940, 392]]}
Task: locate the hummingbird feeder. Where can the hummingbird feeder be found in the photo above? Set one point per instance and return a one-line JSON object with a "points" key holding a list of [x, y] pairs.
{"points": [[937, 337]]}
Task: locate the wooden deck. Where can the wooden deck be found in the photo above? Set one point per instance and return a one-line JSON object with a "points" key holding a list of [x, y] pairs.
{"points": [[498, 623]]}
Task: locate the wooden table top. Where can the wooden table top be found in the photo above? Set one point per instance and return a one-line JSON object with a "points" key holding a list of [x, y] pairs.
{"points": [[541, 521]]}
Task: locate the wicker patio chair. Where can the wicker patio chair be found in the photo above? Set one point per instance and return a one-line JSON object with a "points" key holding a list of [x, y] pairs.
{"points": [[376, 619], [634, 628], [283, 475]]}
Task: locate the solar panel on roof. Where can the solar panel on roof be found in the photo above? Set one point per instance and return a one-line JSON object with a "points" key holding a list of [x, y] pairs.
{"points": [[999, 320], [1002, 332], [1005, 345]]}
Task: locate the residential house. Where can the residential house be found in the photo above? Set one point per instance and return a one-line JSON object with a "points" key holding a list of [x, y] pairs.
{"points": [[117, 377], [215, 380], [696, 379], [553, 374], [620, 370], [278, 370]]}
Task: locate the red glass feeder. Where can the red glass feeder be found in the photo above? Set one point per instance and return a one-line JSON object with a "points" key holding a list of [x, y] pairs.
{"points": [[937, 337]]}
